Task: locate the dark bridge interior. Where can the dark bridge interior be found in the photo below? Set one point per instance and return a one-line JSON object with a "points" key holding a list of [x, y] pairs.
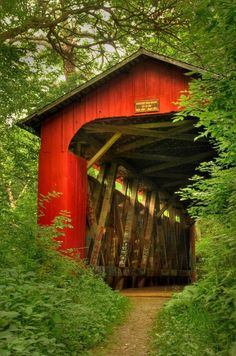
{"points": [[138, 231]]}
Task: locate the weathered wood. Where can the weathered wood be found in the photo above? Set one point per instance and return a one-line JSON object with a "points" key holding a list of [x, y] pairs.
{"points": [[148, 232], [104, 214], [128, 225], [173, 235], [136, 144], [152, 125], [77, 148], [83, 136], [98, 191], [163, 243], [162, 210], [118, 222], [129, 130], [169, 175], [104, 149], [192, 252], [175, 273], [125, 192], [147, 141], [150, 157], [91, 217], [119, 284], [175, 183], [177, 163]]}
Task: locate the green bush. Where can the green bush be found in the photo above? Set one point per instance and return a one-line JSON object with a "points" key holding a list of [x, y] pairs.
{"points": [[202, 319], [48, 302]]}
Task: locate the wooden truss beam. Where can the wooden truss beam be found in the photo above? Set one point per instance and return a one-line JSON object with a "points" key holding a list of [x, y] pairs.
{"points": [[150, 157], [104, 149], [91, 216], [177, 163], [98, 191], [172, 133], [175, 183], [148, 231], [169, 175], [134, 131], [84, 137], [128, 226], [163, 209], [106, 205]]}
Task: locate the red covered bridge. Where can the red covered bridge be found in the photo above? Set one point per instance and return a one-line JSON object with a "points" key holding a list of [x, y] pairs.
{"points": [[118, 127]]}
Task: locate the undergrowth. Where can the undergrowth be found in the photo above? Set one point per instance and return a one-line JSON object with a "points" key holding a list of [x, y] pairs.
{"points": [[201, 320], [49, 304]]}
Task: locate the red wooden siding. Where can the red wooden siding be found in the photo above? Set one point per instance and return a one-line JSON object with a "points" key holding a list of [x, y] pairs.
{"points": [[62, 171]]}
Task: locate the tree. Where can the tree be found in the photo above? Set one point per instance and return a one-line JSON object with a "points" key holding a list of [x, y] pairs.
{"points": [[213, 96], [42, 40]]}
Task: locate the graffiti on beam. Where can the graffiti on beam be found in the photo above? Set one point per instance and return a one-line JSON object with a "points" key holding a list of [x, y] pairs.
{"points": [[124, 253]]}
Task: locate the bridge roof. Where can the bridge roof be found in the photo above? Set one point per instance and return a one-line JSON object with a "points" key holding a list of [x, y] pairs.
{"points": [[34, 120]]}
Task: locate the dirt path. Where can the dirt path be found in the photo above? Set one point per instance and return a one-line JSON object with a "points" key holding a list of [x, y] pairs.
{"points": [[132, 338]]}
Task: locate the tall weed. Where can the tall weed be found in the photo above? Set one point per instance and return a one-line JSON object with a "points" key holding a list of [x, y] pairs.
{"points": [[48, 302]]}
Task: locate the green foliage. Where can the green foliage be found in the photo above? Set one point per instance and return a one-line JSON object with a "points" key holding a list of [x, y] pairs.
{"points": [[44, 42], [212, 97], [48, 303], [202, 319], [18, 164]]}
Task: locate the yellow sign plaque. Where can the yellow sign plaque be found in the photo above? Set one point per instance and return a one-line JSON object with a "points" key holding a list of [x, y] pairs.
{"points": [[146, 106]]}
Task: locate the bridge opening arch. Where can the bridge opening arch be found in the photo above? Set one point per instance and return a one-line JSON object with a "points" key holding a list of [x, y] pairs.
{"points": [[138, 232]]}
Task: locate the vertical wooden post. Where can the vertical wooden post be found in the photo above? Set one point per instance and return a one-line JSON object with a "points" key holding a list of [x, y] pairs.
{"points": [[147, 237], [128, 225], [106, 204], [148, 232], [138, 233], [97, 193], [92, 221], [91, 217], [172, 224], [192, 252]]}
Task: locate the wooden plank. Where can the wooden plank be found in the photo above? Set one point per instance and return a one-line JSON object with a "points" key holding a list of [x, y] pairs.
{"points": [[136, 144], [104, 149], [104, 214], [91, 217], [147, 141], [128, 226], [192, 251], [162, 210], [175, 273], [125, 192], [185, 137], [127, 130], [177, 163], [145, 202], [170, 175], [98, 191], [173, 235], [148, 231], [118, 222], [175, 183], [133, 130], [149, 156], [89, 139], [77, 148], [161, 235], [152, 125]]}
